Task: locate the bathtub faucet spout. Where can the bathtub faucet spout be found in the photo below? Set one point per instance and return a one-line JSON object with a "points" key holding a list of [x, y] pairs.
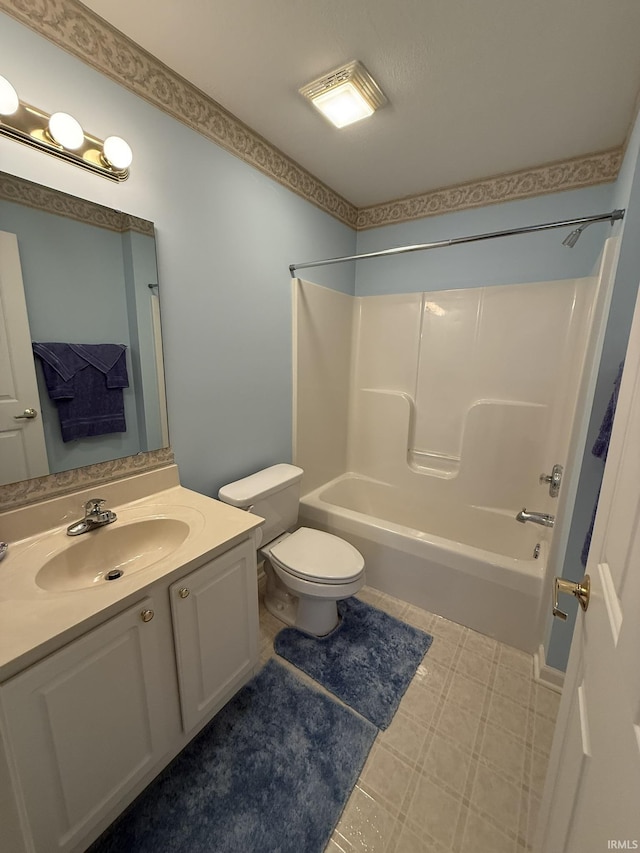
{"points": [[537, 518]]}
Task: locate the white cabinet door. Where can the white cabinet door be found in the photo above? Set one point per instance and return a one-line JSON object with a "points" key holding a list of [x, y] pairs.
{"points": [[85, 724], [215, 621]]}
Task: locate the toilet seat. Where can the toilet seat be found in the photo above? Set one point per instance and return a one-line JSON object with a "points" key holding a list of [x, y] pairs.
{"points": [[313, 555]]}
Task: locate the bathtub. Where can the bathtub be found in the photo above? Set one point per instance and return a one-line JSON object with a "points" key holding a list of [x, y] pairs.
{"points": [[473, 565]]}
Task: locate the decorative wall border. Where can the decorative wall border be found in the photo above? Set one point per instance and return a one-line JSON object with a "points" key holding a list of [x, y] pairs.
{"points": [[53, 201], [79, 31], [25, 492], [571, 174]]}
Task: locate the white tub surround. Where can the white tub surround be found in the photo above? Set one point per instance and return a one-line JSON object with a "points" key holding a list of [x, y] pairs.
{"points": [[458, 401], [322, 353]]}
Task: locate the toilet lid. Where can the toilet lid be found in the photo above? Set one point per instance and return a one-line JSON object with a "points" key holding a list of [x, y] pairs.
{"points": [[316, 556]]}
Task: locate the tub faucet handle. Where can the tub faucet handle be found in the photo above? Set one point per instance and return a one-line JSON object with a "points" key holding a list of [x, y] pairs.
{"points": [[553, 479]]}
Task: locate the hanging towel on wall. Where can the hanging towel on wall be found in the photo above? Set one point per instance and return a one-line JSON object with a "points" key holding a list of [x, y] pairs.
{"points": [[86, 382], [600, 449]]}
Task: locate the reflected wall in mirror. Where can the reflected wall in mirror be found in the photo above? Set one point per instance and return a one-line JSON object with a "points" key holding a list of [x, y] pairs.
{"points": [[74, 272]]}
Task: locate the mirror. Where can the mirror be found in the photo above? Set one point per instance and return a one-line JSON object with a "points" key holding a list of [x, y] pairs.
{"points": [[86, 275]]}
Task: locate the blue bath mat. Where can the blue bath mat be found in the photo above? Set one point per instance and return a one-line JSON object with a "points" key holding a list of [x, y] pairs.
{"points": [[367, 661], [271, 772]]}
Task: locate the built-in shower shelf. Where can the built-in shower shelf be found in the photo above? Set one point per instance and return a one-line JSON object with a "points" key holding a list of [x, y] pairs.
{"points": [[434, 464]]}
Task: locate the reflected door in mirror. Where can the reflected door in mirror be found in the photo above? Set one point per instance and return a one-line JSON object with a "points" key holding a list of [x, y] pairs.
{"points": [[22, 445]]}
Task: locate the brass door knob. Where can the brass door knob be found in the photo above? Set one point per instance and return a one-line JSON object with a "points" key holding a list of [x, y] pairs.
{"points": [[183, 592], [28, 414], [146, 615], [582, 592]]}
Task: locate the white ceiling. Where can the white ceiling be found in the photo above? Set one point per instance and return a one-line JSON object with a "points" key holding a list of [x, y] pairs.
{"points": [[476, 87]]}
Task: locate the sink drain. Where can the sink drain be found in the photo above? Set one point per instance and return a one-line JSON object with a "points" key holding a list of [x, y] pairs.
{"points": [[113, 575]]}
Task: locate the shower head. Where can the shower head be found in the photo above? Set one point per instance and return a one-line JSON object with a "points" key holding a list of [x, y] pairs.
{"points": [[571, 239]]}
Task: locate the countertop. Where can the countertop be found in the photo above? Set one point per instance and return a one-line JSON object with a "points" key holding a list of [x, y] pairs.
{"points": [[35, 621]]}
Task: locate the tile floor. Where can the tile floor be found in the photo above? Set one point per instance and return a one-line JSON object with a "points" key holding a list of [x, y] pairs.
{"points": [[461, 767]]}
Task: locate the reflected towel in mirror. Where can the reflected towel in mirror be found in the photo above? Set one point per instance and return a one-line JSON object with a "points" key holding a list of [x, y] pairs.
{"points": [[86, 382]]}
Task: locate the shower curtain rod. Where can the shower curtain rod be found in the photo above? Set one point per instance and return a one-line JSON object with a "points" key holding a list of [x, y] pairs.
{"points": [[612, 217]]}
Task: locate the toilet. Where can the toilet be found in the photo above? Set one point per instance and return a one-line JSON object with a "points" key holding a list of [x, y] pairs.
{"points": [[307, 571]]}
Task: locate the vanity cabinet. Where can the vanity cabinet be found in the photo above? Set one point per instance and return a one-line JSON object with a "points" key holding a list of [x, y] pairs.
{"points": [[91, 724], [86, 723], [215, 630]]}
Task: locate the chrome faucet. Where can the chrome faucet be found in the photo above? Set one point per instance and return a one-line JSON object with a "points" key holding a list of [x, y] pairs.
{"points": [[94, 516], [537, 518]]}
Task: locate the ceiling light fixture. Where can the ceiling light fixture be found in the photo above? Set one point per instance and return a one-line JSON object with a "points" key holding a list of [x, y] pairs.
{"points": [[62, 136], [345, 95]]}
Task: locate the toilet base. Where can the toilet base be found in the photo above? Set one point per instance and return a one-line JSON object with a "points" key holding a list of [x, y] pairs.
{"points": [[281, 604], [317, 616]]}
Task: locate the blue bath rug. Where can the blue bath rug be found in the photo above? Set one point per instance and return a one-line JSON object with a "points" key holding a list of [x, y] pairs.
{"points": [[270, 774], [367, 661]]}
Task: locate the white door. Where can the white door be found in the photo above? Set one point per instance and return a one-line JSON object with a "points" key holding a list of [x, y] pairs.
{"points": [[591, 801], [22, 447]]}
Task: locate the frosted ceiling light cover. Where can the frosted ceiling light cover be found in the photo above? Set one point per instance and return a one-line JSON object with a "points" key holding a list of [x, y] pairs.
{"points": [[343, 105], [9, 101], [117, 152], [66, 131], [345, 95]]}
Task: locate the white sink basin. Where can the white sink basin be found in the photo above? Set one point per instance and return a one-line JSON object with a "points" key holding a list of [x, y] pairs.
{"points": [[105, 554]]}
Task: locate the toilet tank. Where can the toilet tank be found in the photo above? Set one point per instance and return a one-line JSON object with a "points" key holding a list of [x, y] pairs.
{"points": [[273, 494]]}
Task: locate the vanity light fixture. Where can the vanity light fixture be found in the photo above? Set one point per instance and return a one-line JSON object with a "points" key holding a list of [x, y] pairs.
{"points": [[345, 95], [65, 131], [9, 101], [61, 135]]}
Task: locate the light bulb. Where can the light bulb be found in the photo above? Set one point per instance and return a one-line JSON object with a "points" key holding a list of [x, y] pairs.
{"points": [[117, 153], [9, 101], [66, 131]]}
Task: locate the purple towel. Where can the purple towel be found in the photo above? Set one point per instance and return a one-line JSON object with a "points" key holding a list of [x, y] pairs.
{"points": [[601, 444], [86, 381], [600, 449]]}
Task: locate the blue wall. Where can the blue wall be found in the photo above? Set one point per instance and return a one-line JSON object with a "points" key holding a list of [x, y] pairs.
{"points": [[509, 260], [226, 235]]}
